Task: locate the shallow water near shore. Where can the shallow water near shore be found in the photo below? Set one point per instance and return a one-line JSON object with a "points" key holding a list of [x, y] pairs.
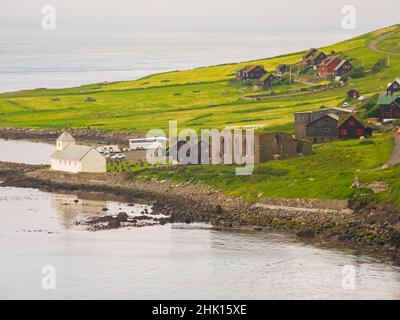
{"points": [[23, 151], [165, 262]]}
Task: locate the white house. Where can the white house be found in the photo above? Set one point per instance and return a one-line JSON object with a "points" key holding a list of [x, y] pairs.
{"points": [[70, 157], [148, 143]]}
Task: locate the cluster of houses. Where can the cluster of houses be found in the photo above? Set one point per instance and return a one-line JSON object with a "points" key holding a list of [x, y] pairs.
{"points": [[329, 124], [255, 74], [325, 65]]}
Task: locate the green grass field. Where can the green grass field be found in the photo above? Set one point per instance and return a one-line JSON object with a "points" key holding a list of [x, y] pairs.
{"points": [[195, 98], [202, 98], [328, 174]]}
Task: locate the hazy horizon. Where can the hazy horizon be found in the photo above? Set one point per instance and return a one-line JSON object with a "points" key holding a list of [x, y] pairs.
{"points": [[194, 15]]}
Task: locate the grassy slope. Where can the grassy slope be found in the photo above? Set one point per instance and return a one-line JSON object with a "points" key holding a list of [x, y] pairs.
{"points": [[206, 100], [152, 101], [328, 174]]}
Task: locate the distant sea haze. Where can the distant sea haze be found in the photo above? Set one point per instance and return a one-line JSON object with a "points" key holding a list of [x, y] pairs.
{"points": [[55, 59]]}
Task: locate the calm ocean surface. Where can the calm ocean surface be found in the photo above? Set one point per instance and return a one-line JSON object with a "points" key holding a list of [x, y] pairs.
{"points": [[56, 59], [176, 261]]}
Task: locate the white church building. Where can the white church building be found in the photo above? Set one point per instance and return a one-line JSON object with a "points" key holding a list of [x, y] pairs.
{"points": [[70, 157]]}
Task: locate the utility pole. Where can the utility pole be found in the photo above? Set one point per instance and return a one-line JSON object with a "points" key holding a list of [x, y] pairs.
{"points": [[290, 75]]}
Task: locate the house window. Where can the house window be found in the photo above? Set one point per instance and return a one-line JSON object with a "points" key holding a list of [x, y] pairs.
{"points": [[343, 132], [352, 123], [359, 132], [327, 130]]}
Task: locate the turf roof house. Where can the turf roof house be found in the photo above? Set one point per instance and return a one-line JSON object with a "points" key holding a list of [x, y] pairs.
{"points": [[393, 87], [389, 108], [313, 57], [73, 158], [250, 73], [266, 80]]}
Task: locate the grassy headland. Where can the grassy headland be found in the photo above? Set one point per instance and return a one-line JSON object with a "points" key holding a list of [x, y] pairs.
{"points": [[203, 98]]}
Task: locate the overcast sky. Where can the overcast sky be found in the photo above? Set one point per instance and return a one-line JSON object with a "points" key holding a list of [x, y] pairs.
{"points": [[198, 15]]}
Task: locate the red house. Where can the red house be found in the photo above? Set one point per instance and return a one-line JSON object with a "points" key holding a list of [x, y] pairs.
{"points": [[334, 66], [352, 128]]}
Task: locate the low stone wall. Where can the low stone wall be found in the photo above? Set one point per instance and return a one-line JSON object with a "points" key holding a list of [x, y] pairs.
{"points": [[310, 204]]}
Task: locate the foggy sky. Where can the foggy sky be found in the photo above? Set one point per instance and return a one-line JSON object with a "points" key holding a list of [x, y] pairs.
{"points": [[198, 15]]}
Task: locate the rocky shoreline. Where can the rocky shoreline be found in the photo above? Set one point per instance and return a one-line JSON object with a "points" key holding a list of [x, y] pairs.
{"points": [[369, 227], [88, 135]]}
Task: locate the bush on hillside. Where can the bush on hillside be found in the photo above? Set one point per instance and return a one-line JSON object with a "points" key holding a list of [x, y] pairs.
{"points": [[357, 72], [90, 99], [379, 65]]}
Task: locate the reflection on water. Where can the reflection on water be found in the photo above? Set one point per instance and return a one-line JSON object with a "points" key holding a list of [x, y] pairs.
{"points": [[21, 151], [165, 262]]}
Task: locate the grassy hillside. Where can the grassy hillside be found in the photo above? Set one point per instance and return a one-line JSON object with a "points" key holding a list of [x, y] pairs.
{"points": [[328, 174], [203, 98], [195, 98]]}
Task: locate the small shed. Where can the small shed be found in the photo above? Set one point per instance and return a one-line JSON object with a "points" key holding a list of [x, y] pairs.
{"points": [[353, 94]]}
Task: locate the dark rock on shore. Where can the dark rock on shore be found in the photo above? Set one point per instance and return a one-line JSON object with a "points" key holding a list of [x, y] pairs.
{"points": [[122, 216], [306, 233], [114, 224]]}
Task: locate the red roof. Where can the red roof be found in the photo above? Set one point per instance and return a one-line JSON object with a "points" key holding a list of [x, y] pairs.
{"points": [[331, 62]]}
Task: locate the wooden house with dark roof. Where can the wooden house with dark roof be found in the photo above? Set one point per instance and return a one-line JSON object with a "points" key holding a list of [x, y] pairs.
{"points": [[332, 126], [266, 80], [315, 59], [352, 128], [389, 108], [309, 54], [393, 87], [323, 129], [250, 72], [282, 68]]}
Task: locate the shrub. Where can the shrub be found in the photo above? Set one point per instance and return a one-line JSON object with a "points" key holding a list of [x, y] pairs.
{"points": [[379, 65], [90, 99], [357, 72]]}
